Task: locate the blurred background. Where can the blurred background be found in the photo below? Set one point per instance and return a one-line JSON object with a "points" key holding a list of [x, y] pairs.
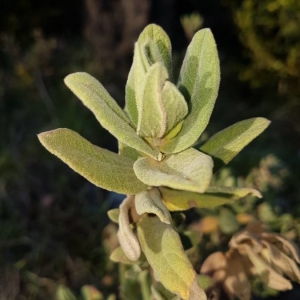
{"points": [[54, 231]]}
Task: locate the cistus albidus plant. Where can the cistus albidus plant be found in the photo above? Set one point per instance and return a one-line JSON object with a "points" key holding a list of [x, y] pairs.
{"points": [[157, 166]]}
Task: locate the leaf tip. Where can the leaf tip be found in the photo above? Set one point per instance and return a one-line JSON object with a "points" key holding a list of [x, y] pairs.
{"points": [[73, 78], [43, 136], [256, 193]]}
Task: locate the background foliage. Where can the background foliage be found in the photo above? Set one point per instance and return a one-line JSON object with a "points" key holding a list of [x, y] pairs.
{"points": [[54, 230]]}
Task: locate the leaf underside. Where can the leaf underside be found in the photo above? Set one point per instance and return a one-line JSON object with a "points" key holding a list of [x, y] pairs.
{"points": [[150, 202], [176, 200]]}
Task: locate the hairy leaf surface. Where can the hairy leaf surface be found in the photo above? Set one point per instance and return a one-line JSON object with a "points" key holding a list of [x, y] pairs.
{"points": [[127, 151], [176, 200], [150, 202], [226, 144], [100, 166], [174, 105], [108, 113], [163, 249], [161, 39], [189, 170], [151, 113], [127, 238], [199, 83]]}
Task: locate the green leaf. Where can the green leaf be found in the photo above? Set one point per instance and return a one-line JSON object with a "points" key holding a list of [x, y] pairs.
{"points": [[161, 39], [152, 115], [134, 83], [163, 250], [151, 40], [100, 166], [226, 144], [127, 151], [199, 83], [174, 105], [150, 202], [176, 200], [127, 238], [189, 170], [108, 113]]}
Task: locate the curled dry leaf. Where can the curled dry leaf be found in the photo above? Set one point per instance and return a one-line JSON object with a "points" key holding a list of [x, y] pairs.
{"points": [[150, 202], [126, 236], [254, 252]]}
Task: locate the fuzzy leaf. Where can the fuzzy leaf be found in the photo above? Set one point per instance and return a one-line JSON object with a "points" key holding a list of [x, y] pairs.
{"points": [[189, 170], [150, 202], [108, 113], [127, 238], [134, 83], [174, 105], [100, 166], [157, 43], [162, 247], [176, 200], [226, 144], [199, 83], [152, 115], [127, 151], [161, 39]]}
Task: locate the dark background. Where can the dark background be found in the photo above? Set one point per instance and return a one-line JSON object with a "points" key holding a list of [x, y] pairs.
{"points": [[51, 219]]}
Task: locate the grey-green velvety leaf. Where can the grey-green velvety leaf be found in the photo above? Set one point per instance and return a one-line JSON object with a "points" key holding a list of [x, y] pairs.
{"points": [[161, 39], [135, 80], [127, 151], [150, 202], [108, 113], [152, 116], [152, 52], [199, 83], [226, 144], [176, 200], [127, 238], [174, 105], [162, 247], [100, 166], [189, 170]]}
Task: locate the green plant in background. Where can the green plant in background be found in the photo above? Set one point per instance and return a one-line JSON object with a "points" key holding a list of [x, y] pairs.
{"points": [[191, 24], [157, 167], [270, 30]]}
